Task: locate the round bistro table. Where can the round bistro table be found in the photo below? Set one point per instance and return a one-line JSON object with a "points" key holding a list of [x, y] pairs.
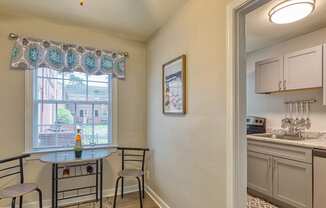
{"points": [[66, 159]]}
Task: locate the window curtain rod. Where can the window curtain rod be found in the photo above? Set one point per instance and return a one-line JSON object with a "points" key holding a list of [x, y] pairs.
{"points": [[15, 36]]}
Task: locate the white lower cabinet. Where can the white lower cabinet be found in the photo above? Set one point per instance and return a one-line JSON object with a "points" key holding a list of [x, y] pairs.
{"points": [[259, 173], [288, 182], [292, 182]]}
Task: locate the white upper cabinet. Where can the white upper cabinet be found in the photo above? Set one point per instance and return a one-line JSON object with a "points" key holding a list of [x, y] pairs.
{"points": [[303, 69], [269, 75], [294, 71]]}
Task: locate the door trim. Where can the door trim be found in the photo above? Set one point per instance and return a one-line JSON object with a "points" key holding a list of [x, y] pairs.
{"points": [[236, 101]]}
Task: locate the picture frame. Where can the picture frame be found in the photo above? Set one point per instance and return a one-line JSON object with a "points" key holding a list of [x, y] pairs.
{"points": [[174, 86]]}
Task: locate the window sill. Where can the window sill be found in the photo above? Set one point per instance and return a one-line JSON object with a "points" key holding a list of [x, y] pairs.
{"points": [[36, 155]]}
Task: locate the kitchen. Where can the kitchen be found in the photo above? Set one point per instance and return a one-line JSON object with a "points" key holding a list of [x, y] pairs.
{"points": [[286, 109]]}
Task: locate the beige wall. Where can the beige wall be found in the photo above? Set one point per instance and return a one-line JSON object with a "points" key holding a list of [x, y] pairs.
{"points": [[272, 106], [132, 92], [188, 153]]}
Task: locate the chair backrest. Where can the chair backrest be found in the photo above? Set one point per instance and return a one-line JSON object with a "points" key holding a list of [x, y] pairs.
{"points": [[132, 154], [13, 166]]}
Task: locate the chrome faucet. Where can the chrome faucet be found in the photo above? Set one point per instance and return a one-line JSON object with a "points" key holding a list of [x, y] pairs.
{"points": [[295, 127]]}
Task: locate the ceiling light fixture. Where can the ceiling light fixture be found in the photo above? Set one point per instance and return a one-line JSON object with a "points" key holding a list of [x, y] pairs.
{"points": [[291, 11], [81, 3]]}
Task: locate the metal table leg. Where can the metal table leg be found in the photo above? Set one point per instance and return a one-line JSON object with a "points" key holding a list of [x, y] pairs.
{"points": [[97, 180], [101, 183], [56, 185], [53, 185]]}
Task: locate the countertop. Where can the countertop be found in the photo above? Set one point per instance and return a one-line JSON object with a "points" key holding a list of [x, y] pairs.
{"points": [[319, 143]]}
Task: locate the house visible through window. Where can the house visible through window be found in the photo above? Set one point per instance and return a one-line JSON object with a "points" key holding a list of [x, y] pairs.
{"points": [[66, 101]]}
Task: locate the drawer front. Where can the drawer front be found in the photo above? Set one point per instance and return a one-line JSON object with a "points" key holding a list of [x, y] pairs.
{"points": [[283, 151]]}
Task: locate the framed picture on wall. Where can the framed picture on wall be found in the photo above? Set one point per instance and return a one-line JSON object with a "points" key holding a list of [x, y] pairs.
{"points": [[174, 86]]}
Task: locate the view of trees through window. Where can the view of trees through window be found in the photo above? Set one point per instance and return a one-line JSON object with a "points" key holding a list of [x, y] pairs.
{"points": [[71, 100]]}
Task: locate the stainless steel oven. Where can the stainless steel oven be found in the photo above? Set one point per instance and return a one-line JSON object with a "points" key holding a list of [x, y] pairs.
{"points": [[255, 125]]}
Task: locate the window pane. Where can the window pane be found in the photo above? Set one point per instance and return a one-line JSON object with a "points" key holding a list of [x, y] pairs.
{"points": [[49, 89], [47, 136], [49, 73], [84, 114], [61, 109], [87, 134], [98, 78], [66, 114], [66, 135], [50, 136], [75, 76], [46, 114], [101, 134], [74, 90], [101, 114], [98, 91]]}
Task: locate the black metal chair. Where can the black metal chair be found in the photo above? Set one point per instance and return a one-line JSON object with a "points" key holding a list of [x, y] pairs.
{"points": [[129, 155], [14, 166]]}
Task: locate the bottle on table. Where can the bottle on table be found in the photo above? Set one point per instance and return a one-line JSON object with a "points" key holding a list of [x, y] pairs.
{"points": [[78, 144]]}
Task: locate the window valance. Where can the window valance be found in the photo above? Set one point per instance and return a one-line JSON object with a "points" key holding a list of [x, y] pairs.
{"points": [[29, 54]]}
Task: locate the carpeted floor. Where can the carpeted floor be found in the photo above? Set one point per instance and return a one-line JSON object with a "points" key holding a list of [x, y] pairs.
{"points": [[254, 202]]}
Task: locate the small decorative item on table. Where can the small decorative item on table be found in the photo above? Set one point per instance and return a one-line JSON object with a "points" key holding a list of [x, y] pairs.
{"points": [[66, 171], [89, 169], [174, 86], [78, 144]]}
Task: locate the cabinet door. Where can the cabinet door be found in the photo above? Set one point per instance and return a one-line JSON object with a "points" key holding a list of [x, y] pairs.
{"points": [[303, 69], [292, 182], [319, 182], [269, 75], [260, 173]]}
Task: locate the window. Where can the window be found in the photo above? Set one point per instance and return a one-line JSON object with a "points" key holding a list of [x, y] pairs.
{"points": [[65, 101]]}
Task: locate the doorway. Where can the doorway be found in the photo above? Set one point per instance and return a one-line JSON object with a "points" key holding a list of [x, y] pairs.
{"points": [[294, 90], [236, 100]]}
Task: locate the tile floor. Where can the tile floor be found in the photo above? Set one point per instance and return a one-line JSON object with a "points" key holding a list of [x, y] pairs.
{"points": [[254, 202]]}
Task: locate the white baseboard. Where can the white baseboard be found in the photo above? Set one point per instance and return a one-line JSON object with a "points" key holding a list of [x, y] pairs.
{"points": [[106, 193], [156, 198]]}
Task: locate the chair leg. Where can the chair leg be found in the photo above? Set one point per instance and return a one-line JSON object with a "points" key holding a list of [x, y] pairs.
{"points": [[116, 191], [140, 193], [40, 198], [13, 202], [143, 183], [122, 184], [20, 201]]}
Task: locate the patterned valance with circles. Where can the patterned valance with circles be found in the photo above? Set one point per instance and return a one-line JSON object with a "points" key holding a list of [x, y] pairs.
{"points": [[29, 54]]}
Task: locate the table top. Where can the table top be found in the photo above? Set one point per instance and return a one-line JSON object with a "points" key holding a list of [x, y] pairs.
{"points": [[69, 156]]}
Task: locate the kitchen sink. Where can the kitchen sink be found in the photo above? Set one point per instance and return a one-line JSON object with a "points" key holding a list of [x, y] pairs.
{"points": [[286, 137]]}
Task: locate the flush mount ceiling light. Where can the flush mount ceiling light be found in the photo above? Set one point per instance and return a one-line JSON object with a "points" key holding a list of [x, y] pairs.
{"points": [[291, 11]]}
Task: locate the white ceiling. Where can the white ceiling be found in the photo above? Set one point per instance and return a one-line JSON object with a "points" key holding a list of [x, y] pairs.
{"points": [[134, 19], [262, 33]]}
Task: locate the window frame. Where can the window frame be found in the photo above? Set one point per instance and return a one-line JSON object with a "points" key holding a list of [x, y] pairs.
{"points": [[30, 91]]}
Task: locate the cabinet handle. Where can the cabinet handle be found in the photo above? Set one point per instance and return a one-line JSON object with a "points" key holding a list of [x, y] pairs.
{"points": [[280, 85], [284, 84], [269, 163]]}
